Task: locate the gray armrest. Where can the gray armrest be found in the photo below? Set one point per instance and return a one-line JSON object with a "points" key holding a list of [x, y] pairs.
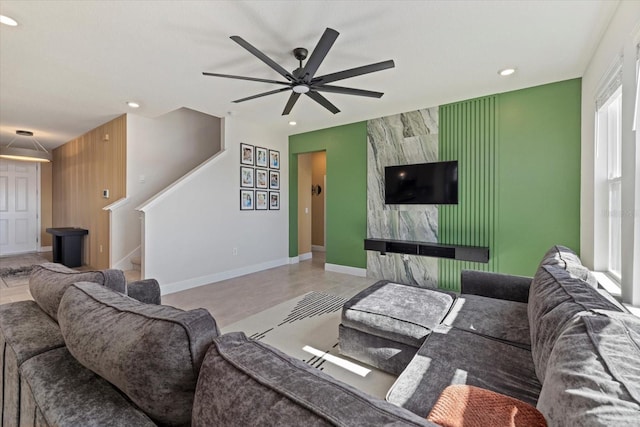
{"points": [[495, 285], [147, 291]]}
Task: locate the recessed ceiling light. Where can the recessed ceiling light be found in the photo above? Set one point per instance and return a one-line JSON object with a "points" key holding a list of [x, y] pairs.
{"points": [[133, 104], [292, 123], [507, 71], [8, 21]]}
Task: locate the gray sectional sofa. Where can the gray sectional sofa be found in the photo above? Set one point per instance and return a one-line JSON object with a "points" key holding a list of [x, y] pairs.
{"points": [[556, 341], [87, 354], [83, 354]]}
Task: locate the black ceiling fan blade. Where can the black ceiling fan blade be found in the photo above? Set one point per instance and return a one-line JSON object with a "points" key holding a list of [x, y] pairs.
{"points": [[253, 79], [319, 53], [271, 92], [348, 91], [290, 103], [261, 56], [358, 71], [323, 101]]}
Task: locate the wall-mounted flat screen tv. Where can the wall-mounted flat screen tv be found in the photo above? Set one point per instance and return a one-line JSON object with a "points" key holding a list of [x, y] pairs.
{"points": [[433, 183]]}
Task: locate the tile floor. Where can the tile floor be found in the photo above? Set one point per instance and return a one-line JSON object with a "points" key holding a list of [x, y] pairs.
{"points": [[234, 299]]}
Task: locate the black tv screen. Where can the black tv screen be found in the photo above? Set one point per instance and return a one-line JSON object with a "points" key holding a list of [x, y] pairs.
{"points": [[424, 183]]}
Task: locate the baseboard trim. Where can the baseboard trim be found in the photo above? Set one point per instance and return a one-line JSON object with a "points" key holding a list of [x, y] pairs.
{"points": [[183, 285], [345, 269], [294, 260], [45, 249], [318, 248], [304, 257]]}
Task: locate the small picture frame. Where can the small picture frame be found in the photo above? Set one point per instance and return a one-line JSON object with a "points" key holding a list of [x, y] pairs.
{"points": [[246, 177], [274, 200], [262, 157], [274, 180], [246, 154], [262, 178], [274, 159], [246, 200], [262, 200]]}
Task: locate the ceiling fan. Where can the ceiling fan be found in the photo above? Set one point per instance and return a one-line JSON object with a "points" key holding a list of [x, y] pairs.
{"points": [[302, 80]]}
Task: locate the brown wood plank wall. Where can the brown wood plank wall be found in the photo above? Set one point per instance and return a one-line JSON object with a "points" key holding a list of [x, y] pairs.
{"points": [[82, 168]]}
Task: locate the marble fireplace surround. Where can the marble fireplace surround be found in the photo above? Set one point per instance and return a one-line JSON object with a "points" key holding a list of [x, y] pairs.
{"points": [[401, 139]]}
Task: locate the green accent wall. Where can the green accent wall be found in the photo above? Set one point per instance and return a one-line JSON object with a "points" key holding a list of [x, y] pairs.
{"points": [[519, 155], [538, 173], [346, 197], [519, 171], [468, 134]]}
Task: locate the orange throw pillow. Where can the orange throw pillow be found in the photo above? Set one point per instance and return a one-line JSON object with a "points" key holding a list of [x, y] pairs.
{"points": [[469, 406]]}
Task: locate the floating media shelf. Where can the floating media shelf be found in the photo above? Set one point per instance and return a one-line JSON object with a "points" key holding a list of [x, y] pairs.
{"points": [[457, 252]]}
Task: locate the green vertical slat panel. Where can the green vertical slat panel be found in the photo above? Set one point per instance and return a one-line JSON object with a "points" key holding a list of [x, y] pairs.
{"points": [[468, 134]]}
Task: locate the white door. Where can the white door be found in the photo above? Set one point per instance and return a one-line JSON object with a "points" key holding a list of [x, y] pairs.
{"points": [[18, 207]]}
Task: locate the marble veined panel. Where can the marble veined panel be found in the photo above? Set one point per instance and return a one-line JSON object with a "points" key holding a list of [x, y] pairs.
{"points": [[415, 270], [399, 140]]}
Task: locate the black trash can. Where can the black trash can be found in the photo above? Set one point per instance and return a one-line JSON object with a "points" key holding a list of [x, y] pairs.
{"points": [[67, 245]]}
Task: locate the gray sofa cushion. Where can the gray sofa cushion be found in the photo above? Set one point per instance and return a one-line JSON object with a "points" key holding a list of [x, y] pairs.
{"points": [[453, 356], [565, 258], [560, 256], [401, 313], [28, 330], [555, 297], [495, 318], [248, 383], [49, 281], [593, 374], [495, 285], [386, 355], [152, 353], [147, 291], [68, 394], [25, 331]]}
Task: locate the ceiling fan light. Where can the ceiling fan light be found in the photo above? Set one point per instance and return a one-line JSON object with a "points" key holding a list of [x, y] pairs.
{"points": [[301, 88]]}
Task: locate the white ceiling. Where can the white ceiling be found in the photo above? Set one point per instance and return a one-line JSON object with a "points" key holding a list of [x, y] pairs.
{"points": [[72, 65]]}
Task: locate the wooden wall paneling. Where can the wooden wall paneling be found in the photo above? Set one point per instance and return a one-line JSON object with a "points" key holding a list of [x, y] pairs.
{"points": [[46, 213], [82, 168], [105, 163]]}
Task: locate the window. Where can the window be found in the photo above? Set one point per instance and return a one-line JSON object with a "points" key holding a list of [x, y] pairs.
{"points": [[609, 119], [614, 181]]}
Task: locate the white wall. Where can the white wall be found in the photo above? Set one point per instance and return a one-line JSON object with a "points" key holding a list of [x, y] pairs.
{"points": [[621, 38], [191, 230], [159, 151]]}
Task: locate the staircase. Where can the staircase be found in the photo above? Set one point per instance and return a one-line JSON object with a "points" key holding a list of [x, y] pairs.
{"points": [[133, 274]]}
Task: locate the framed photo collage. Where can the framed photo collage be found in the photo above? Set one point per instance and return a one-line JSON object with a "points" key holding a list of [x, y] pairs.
{"points": [[259, 178]]}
